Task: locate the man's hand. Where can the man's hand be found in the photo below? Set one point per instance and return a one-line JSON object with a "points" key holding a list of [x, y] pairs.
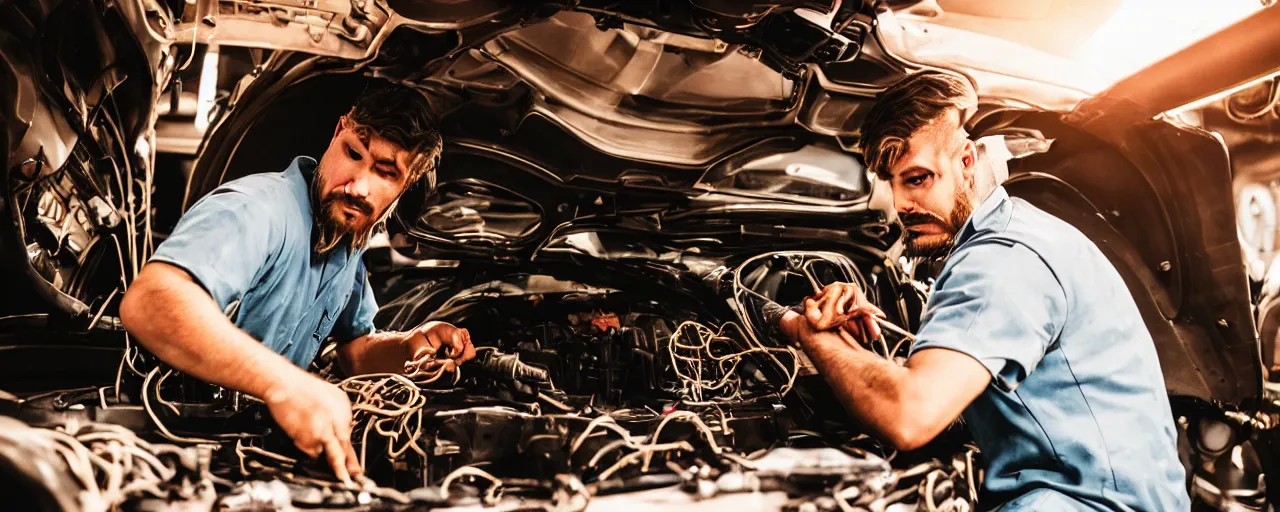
{"points": [[429, 337], [317, 416], [844, 305]]}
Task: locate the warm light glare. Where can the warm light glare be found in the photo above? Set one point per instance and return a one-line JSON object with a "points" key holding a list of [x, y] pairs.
{"points": [[1144, 31], [208, 87]]}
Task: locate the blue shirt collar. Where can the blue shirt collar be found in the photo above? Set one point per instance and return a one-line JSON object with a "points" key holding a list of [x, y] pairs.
{"points": [[986, 216], [300, 173]]}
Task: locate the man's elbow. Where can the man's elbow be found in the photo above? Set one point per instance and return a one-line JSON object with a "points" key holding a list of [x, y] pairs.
{"points": [[906, 438], [132, 306], [911, 430], [137, 307]]}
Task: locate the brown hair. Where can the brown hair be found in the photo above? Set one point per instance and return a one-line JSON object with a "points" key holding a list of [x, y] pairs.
{"points": [[403, 116], [904, 109]]}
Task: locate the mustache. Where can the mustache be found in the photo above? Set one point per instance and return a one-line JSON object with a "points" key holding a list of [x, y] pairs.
{"points": [[913, 219], [356, 202]]}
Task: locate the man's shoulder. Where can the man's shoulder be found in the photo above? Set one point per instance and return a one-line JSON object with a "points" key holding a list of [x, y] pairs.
{"points": [[1043, 239], [277, 194], [1017, 232], [1029, 225], [275, 186]]}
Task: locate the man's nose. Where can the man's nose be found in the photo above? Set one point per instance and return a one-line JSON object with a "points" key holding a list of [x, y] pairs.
{"points": [[903, 204], [358, 186]]}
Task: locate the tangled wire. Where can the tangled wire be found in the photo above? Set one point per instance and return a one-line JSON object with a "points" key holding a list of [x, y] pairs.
{"points": [[644, 448], [933, 486], [111, 465], [706, 361], [427, 368], [390, 405]]}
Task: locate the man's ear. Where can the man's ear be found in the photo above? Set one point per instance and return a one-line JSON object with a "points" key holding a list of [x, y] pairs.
{"points": [[969, 157], [338, 128], [968, 160]]}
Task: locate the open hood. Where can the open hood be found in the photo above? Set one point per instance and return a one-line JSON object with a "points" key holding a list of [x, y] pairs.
{"points": [[571, 117]]}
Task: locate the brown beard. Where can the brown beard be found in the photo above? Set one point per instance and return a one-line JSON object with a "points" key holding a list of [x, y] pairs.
{"points": [[330, 228], [934, 245]]}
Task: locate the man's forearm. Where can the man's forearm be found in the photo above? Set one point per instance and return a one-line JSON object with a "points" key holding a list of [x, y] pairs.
{"points": [[174, 318], [376, 352], [870, 387]]}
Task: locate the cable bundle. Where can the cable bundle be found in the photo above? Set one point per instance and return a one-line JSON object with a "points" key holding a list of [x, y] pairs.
{"points": [[706, 361], [111, 465], [390, 405], [933, 486]]}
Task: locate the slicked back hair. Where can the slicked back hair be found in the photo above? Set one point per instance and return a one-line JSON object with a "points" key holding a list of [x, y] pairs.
{"points": [[404, 117], [905, 108]]}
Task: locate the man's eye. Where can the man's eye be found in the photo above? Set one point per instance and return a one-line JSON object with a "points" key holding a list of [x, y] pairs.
{"points": [[355, 155], [917, 179]]}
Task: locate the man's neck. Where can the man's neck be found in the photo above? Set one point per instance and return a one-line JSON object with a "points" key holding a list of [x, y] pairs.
{"points": [[991, 168]]}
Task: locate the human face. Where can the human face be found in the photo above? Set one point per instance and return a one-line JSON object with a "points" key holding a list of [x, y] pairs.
{"points": [[358, 179], [933, 186]]}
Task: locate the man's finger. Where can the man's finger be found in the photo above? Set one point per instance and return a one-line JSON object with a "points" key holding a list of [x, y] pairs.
{"points": [[871, 327], [457, 343], [834, 313], [871, 308], [469, 353], [823, 307], [353, 461], [846, 300], [312, 449], [337, 459], [811, 311], [854, 330], [424, 344]]}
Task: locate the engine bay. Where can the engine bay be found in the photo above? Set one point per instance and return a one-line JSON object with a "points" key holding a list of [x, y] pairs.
{"points": [[578, 393]]}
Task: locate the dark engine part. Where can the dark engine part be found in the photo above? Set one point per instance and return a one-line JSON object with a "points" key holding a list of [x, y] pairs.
{"points": [[498, 363], [521, 445], [600, 357]]}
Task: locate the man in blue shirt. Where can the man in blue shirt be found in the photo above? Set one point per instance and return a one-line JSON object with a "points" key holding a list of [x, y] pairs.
{"points": [[1030, 334], [286, 247]]}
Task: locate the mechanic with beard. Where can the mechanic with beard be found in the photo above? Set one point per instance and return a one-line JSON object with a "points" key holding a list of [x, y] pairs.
{"points": [[287, 246], [1030, 334]]}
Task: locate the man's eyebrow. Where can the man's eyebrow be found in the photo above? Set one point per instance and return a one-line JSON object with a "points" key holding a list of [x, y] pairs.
{"points": [[910, 170]]}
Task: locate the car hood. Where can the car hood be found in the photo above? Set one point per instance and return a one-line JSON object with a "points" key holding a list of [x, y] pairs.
{"points": [[565, 118]]}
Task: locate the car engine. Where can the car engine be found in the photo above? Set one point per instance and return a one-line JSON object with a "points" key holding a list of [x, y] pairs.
{"points": [[577, 394]]}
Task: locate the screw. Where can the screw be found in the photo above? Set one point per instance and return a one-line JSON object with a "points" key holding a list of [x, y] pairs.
{"points": [[1165, 266], [1222, 323]]}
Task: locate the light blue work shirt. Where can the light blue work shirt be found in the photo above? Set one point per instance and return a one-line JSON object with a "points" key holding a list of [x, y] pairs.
{"points": [[1076, 416], [250, 240]]}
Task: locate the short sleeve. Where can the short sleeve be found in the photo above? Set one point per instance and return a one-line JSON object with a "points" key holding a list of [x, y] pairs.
{"points": [[356, 319], [998, 303], [223, 242]]}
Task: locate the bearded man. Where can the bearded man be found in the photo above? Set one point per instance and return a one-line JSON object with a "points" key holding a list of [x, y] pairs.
{"points": [[1030, 333], [287, 248]]}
